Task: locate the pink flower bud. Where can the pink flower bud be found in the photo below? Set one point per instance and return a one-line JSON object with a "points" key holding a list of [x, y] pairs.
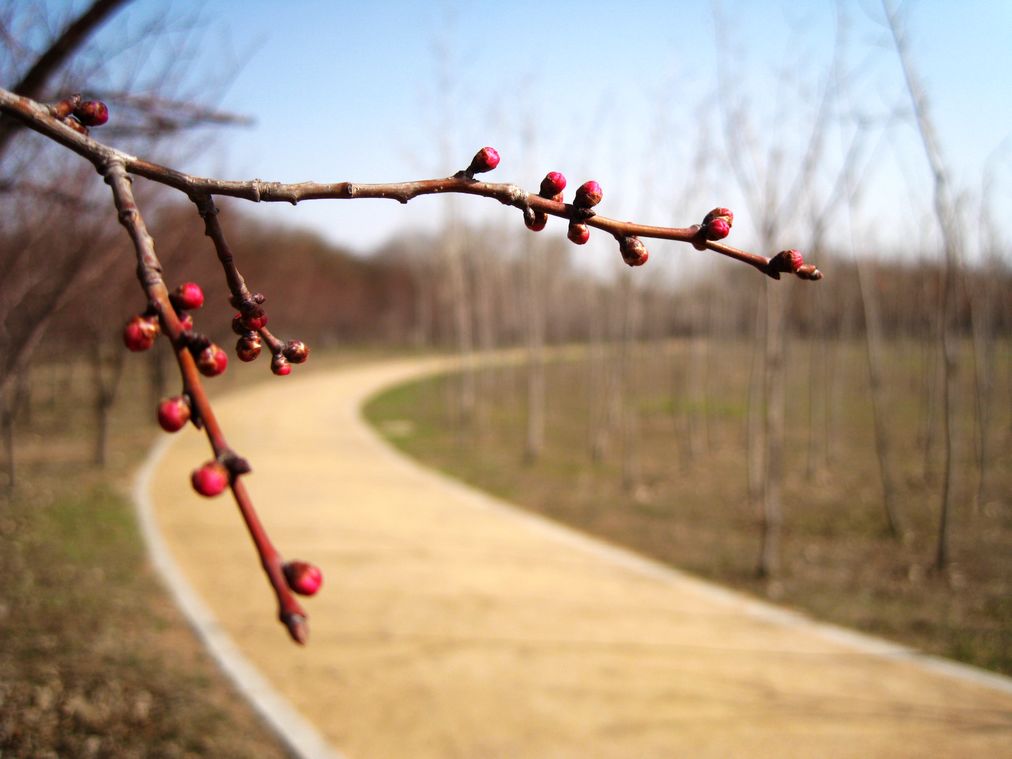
{"points": [[484, 160], [552, 184], [173, 413], [210, 480], [140, 332], [212, 361], [188, 296], [296, 351], [280, 366], [717, 224], [302, 577], [92, 113], [788, 261], [588, 195], [578, 233], [248, 347], [633, 251]]}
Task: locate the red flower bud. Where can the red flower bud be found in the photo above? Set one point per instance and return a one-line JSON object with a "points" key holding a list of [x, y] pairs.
{"points": [[173, 413], [634, 252], [485, 159], [210, 480], [188, 296], [185, 322], [302, 577], [578, 233], [140, 332], [92, 113], [212, 361], [717, 224], [296, 351], [254, 320], [552, 184], [248, 347], [280, 366], [588, 195], [537, 222]]}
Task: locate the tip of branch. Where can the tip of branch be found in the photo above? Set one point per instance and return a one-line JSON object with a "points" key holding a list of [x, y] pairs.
{"points": [[297, 626]]}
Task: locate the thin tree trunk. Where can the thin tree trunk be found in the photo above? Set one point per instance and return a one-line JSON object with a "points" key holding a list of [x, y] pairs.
{"points": [[873, 354], [535, 436], [772, 512]]}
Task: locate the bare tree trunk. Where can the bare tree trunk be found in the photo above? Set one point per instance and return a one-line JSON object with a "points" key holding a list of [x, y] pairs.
{"points": [[7, 427], [772, 512], [945, 214], [873, 353], [755, 448], [105, 393], [535, 270], [983, 353], [629, 424]]}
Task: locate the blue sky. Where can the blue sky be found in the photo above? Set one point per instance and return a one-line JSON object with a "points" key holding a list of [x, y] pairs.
{"points": [[618, 92]]}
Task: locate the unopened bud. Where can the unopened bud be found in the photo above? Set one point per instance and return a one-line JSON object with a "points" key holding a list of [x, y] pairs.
{"points": [[210, 480], [92, 113], [253, 320], [588, 195], [140, 332], [296, 351], [552, 184], [302, 577], [212, 361], [187, 297], [484, 160], [633, 251], [578, 233], [280, 366], [173, 413], [536, 221], [248, 347]]}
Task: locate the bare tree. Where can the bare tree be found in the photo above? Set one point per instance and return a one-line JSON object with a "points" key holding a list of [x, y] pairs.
{"points": [[948, 223]]}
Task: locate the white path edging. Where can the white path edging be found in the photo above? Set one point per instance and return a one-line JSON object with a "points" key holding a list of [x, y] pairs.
{"points": [[294, 730], [859, 642]]}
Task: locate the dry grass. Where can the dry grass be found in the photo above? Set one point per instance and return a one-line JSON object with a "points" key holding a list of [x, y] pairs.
{"points": [[96, 661]]}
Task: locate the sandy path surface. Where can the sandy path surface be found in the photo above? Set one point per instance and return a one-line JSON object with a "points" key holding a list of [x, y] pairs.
{"points": [[451, 625]]}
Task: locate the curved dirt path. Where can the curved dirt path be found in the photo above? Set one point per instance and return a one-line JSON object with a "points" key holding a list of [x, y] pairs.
{"points": [[452, 625]]}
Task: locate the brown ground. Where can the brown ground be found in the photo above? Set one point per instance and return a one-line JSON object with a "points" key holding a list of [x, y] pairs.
{"points": [[449, 626]]}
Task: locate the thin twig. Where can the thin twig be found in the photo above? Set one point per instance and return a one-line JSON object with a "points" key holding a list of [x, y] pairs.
{"points": [[39, 118]]}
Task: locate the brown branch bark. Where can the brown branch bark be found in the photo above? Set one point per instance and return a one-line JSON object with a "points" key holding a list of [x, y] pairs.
{"points": [[39, 118]]}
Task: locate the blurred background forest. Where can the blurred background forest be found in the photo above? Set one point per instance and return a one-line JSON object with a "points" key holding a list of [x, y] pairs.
{"points": [[841, 446]]}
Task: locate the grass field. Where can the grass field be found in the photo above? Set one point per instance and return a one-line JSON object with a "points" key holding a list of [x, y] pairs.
{"points": [[95, 660], [689, 507]]}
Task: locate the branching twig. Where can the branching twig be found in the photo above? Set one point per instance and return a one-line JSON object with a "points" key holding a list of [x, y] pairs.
{"points": [[66, 123], [39, 118], [149, 272]]}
